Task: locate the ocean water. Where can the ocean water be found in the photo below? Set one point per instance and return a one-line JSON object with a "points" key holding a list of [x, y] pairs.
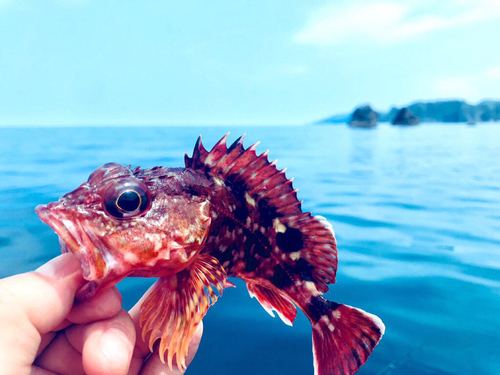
{"points": [[416, 213]]}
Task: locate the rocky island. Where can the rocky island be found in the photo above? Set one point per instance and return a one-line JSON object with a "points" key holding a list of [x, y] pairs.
{"points": [[448, 111], [363, 117], [405, 116]]}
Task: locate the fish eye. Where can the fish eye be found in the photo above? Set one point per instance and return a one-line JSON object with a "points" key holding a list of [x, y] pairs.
{"points": [[126, 199]]}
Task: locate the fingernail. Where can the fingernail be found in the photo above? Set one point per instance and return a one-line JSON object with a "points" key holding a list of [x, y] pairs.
{"points": [[116, 346], [60, 267]]}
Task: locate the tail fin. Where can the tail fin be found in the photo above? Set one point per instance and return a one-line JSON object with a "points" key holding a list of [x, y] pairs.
{"points": [[343, 339]]}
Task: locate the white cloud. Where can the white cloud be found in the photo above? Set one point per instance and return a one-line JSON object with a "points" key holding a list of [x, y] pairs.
{"points": [[492, 73], [457, 87], [473, 87], [390, 21]]}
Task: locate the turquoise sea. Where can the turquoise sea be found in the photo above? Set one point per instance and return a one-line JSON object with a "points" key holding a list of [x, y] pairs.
{"points": [[416, 212]]}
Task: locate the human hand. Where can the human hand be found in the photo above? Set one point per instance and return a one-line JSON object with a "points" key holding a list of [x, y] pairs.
{"points": [[44, 331]]}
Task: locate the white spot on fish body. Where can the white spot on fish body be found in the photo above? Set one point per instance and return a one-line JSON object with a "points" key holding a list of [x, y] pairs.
{"points": [[249, 221], [295, 255], [250, 200], [312, 288], [331, 327], [157, 245], [202, 206], [218, 181], [278, 226], [130, 257], [210, 160]]}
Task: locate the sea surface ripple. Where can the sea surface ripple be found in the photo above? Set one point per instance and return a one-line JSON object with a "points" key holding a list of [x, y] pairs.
{"points": [[416, 212]]}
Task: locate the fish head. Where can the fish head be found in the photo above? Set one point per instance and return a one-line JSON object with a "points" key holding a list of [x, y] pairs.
{"points": [[121, 222]]}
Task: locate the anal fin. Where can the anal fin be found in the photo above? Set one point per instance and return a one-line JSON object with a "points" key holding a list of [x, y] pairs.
{"points": [[177, 305], [271, 299]]}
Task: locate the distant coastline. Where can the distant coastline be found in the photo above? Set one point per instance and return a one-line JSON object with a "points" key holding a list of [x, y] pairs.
{"points": [[447, 111]]}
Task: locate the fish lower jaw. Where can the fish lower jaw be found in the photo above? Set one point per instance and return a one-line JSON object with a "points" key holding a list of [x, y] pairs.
{"points": [[99, 268], [83, 255]]}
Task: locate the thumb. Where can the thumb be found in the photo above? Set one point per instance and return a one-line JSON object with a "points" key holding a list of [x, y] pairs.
{"points": [[43, 297], [32, 304]]}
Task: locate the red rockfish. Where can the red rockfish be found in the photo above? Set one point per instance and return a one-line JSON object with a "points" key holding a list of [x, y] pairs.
{"points": [[229, 212]]}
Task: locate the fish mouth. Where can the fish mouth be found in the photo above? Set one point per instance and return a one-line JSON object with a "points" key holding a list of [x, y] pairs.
{"points": [[87, 247]]}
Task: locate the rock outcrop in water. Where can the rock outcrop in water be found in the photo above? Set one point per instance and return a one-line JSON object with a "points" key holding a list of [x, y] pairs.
{"points": [[364, 117], [452, 111], [405, 117], [448, 111]]}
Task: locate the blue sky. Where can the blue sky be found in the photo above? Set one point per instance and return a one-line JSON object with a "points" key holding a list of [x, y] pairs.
{"points": [[239, 62]]}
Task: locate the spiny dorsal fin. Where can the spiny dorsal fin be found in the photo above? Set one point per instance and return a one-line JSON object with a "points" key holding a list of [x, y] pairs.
{"points": [[300, 244], [236, 163]]}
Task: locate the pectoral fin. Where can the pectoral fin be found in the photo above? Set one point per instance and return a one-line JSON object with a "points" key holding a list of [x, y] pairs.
{"points": [[178, 304]]}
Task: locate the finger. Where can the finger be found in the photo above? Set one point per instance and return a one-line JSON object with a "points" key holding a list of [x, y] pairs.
{"points": [[35, 370], [61, 357], [106, 345], [102, 306], [45, 341], [34, 303], [154, 365], [46, 295]]}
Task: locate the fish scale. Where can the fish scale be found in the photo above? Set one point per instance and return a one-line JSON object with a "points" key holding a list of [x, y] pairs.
{"points": [[229, 212]]}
